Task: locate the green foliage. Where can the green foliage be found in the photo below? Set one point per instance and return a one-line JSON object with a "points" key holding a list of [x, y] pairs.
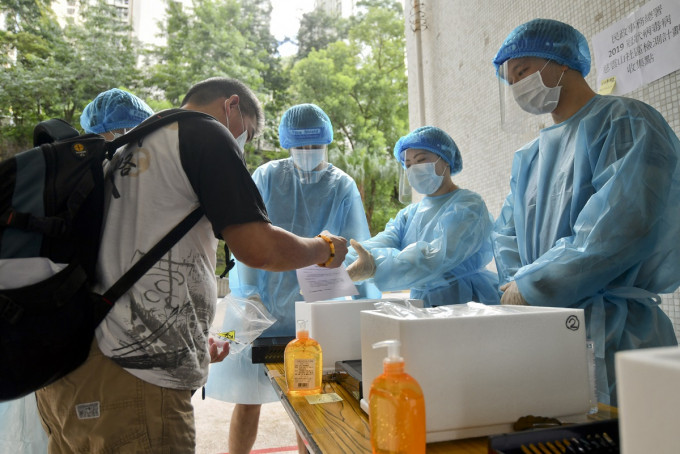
{"points": [[353, 68], [222, 38], [318, 30], [221, 258], [53, 72], [213, 39]]}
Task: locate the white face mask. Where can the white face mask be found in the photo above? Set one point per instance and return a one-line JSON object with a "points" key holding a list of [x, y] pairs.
{"points": [[308, 159], [243, 138], [118, 134], [423, 177], [533, 96]]}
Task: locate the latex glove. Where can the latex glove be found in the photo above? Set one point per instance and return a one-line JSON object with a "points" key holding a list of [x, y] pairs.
{"points": [[364, 266], [511, 295], [218, 349]]}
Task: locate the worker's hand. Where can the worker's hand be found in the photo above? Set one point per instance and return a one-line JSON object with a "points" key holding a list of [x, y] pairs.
{"points": [[218, 349], [511, 295], [340, 245], [364, 266]]}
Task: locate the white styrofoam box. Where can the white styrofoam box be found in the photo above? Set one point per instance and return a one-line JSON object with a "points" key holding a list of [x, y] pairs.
{"points": [[335, 325], [648, 399], [480, 373]]}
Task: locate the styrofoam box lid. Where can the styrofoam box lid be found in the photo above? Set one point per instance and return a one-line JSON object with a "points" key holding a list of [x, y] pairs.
{"points": [[335, 325], [648, 399], [478, 371]]}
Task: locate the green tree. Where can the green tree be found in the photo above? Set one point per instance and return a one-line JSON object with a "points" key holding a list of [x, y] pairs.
{"points": [[317, 30], [205, 41], [27, 48], [361, 84], [53, 72], [221, 38], [275, 82], [100, 54]]}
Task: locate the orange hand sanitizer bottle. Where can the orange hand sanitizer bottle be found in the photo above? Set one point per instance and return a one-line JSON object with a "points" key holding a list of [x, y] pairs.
{"points": [[302, 363], [396, 407]]}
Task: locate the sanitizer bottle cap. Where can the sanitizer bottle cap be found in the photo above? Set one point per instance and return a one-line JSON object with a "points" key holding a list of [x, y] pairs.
{"points": [[393, 346]]}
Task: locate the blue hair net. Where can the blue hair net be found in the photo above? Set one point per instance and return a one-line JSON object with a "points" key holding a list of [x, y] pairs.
{"points": [[549, 39], [432, 139], [305, 124], [114, 109]]}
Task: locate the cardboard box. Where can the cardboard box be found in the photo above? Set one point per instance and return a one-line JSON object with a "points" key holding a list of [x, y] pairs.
{"points": [[648, 399], [335, 325], [480, 373]]}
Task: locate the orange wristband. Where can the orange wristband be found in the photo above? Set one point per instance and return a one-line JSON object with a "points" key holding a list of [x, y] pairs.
{"points": [[330, 244]]}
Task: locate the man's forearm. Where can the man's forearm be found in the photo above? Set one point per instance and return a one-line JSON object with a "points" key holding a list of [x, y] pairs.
{"points": [[264, 246]]}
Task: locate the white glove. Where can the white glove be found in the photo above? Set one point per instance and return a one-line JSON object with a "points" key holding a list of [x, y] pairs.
{"points": [[364, 266], [511, 295]]}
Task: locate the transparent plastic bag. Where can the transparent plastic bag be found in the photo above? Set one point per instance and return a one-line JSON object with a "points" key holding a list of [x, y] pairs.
{"points": [[406, 310], [240, 321]]}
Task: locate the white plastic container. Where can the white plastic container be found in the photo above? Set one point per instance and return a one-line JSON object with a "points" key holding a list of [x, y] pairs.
{"points": [[648, 400], [480, 373], [336, 326]]}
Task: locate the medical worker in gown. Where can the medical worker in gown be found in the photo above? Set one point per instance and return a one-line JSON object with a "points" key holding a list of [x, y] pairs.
{"points": [[439, 247], [304, 194], [592, 218]]}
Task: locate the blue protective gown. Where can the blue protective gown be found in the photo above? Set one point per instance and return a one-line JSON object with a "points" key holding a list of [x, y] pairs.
{"points": [[438, 248], [331, 203], [592, 222], [21, 431]]}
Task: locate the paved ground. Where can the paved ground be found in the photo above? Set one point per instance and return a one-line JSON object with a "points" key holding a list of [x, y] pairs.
{"points": [[276, 432]]}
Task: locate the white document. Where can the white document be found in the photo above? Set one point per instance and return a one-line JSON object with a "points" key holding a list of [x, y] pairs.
{"points": [[318, 283], [638, 49]]}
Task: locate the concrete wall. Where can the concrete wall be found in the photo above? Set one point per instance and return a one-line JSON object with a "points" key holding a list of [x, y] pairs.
{"points": [[452, 83]]}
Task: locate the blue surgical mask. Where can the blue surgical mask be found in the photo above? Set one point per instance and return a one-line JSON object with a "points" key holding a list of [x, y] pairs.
{"points": [[423, 177]]}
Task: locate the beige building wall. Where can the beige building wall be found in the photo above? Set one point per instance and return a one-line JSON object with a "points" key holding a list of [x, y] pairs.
{"points": [[452, 82]]}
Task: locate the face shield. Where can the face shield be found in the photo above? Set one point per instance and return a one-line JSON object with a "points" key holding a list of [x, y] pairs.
{"points": [[405, 189], [527, 89], [310, 162], [423, 172]]}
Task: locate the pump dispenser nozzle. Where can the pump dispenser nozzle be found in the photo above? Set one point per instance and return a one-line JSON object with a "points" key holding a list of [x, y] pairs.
{"points": [[392, 350]]}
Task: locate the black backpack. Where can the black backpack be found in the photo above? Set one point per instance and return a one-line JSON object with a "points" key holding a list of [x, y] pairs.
{"points": [[51, 207]]}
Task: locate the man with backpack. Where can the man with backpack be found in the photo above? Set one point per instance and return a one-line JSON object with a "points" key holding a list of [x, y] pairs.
{"points": [[133, 393], [111, 113]]}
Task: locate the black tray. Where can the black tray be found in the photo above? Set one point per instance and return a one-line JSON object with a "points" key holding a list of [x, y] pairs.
{"points": [[270, 349], [348, 375], [600, 437]]}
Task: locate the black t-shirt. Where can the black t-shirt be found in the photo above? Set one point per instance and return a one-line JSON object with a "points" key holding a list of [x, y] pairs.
{"points": [[208, 153]]}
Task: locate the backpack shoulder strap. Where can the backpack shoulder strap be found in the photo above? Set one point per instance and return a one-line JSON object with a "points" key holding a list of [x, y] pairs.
{"points": [[152, 123], [145, 263], [53, 130]]}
